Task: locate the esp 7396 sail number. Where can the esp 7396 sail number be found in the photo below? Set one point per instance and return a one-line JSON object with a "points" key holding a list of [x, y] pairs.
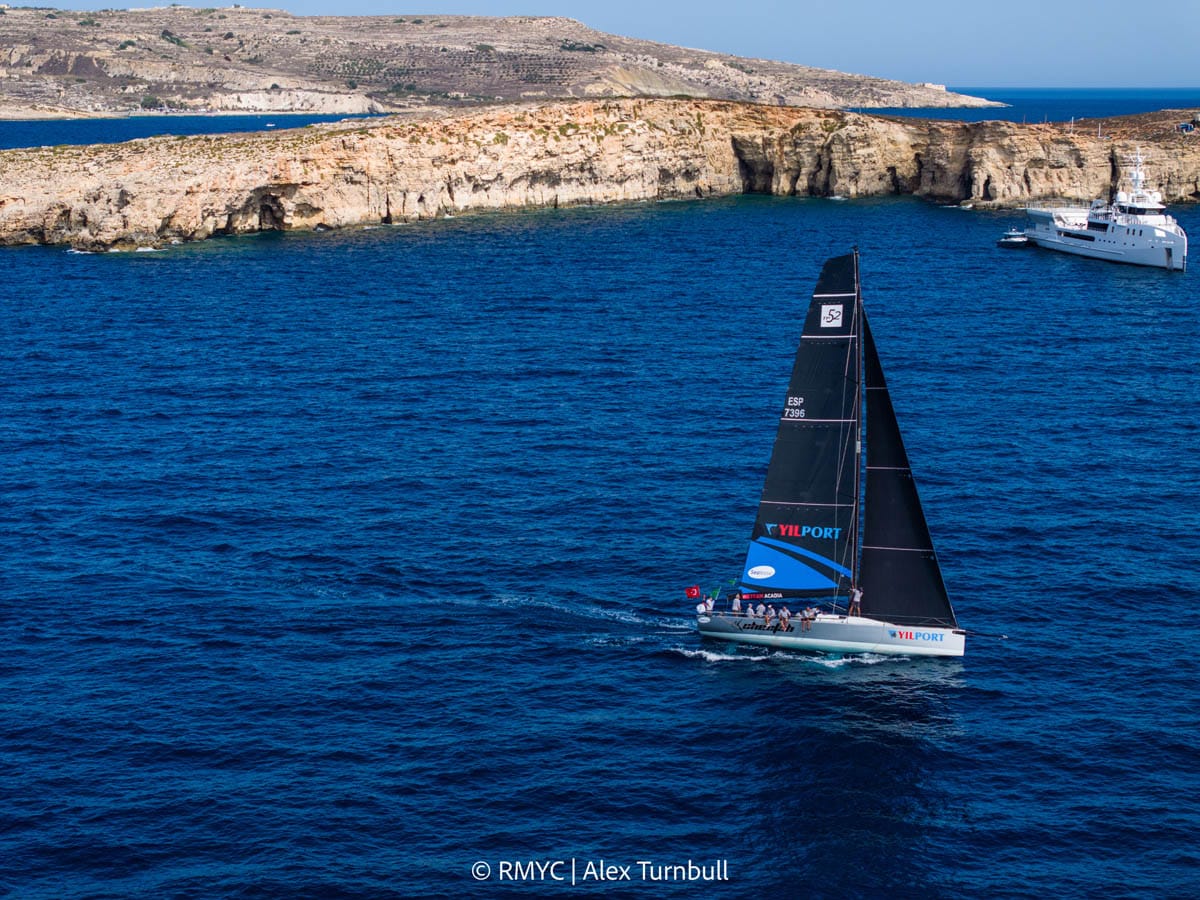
{"points": [[794, 408]]}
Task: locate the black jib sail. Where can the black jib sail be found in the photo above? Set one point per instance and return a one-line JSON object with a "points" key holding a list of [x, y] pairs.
{"points": [[899, 572], [806, 533]]}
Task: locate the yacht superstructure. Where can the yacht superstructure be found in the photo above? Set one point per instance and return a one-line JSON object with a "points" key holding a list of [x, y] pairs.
{"points": [[1134, 228]]}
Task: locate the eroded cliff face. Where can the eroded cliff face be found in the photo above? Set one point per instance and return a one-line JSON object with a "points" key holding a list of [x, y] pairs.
{"points": [[158, 190]]}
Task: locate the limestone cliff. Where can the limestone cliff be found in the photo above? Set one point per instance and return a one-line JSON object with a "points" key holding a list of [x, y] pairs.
{"points": [[397, 169]]}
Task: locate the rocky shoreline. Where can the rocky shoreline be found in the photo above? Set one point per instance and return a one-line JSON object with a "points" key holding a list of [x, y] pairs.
{"points": [[156, 191]]}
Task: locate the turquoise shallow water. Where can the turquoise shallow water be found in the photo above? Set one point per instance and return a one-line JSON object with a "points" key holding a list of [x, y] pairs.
{"points": [[336, 564]]}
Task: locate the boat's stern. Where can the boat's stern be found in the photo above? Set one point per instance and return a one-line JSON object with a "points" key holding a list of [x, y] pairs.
{"points": [[923, 640], [1177, 251]]}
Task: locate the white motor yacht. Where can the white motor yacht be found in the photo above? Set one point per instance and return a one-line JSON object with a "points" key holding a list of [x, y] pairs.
{"points": [[1134, 229]]}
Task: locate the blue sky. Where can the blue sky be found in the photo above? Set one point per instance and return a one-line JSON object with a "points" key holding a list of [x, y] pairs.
{"points": [[1052, 43]]}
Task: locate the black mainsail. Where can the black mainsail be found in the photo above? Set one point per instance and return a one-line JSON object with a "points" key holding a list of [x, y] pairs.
{"points": [[806, 535]]}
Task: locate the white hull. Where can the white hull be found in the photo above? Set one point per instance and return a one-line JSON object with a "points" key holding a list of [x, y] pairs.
{"points": [[836, 634], [1135, 229], [1161, 245]]}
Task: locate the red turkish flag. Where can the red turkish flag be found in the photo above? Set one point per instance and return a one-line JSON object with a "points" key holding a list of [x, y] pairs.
{"points": [[694, 591]]}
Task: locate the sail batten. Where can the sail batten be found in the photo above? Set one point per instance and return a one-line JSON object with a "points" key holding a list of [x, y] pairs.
{"points": [[826, 421], [818, 505]]}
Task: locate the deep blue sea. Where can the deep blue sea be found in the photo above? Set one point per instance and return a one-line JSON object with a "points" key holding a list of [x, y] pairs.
{"points": [[353, 565], [1032, 105], [52, 132]]}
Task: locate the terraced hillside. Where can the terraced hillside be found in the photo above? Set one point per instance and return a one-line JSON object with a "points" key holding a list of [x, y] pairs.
{"points": [[62, 63]]}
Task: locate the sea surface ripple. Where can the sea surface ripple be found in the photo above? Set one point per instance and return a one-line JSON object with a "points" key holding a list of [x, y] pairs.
{"points": [[332, 565]]}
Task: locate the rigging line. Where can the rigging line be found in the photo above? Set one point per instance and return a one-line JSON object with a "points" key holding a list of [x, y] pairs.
{"points": [[858, 516], [847, 427]]}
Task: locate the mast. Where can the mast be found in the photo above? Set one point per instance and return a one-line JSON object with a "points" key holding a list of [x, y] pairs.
{"points": [[860, 319]]}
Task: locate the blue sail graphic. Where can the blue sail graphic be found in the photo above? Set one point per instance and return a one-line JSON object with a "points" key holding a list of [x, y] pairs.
{"points": [[775, 565]]}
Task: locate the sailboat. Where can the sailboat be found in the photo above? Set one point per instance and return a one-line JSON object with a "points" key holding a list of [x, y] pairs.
{"points": [[847, 538]]}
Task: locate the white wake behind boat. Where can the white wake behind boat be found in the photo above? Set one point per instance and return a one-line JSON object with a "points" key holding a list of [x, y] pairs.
{"points": [[1134, 228], [830, 529]]}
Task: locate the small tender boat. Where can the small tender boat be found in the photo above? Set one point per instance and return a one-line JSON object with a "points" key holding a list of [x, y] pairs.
{"points": [[876, 582], [1014, 238], [1134, 228]]}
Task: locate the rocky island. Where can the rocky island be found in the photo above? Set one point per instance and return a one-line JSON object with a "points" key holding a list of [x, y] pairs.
{"points": [[115, 62], [406, 168], [492, 114]]}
